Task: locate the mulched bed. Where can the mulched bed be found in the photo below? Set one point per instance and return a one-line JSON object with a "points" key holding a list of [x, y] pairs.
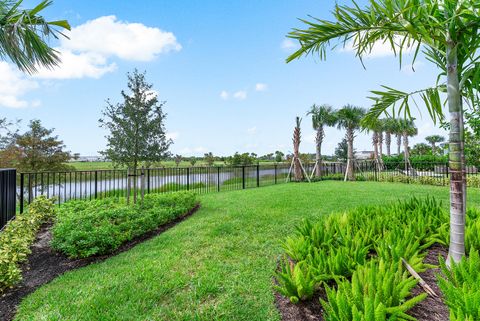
{"points": [[44, 264], [430, 309]]}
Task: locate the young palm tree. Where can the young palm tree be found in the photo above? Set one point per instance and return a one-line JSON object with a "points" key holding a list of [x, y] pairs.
{"points": [[389, 128], [433, 140], [375, 127], [350, 118], [408, 129], [447, 31], [297, 137], [23, 36], [322, 116]]}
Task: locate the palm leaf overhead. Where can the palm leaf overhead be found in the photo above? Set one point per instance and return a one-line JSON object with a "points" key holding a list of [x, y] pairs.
{"points": [[24, 35]]}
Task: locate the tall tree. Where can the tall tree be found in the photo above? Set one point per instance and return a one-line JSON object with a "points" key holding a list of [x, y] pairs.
{"points": [[390, 126], [447, 32], [408, 129], [349, 118], [209, 158], [433, 140], [322, 116], [341, 151], [297, 138], [24, 35], [136, 126], [40, 151]]}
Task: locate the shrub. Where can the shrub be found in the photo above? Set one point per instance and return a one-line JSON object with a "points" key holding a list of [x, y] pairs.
{"points": [[377, 291], [460, 285], [361, 247], [86, 228], [17, 237]]}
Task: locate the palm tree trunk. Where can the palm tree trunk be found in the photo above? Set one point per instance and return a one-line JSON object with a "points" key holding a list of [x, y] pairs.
{"points": [[388, 142], [380, 150], [433, 148], [350, 136], [399, 143], [406, 152], [375, 148], [318, 158], [456, 159]]}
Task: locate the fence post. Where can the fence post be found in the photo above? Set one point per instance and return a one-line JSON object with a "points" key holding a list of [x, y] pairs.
{"points": [[447, 169], [148, 180], [243, 177], [218, 179], [275, 173], [188, 178], [96, 183], [22, 182], [258, 175]]}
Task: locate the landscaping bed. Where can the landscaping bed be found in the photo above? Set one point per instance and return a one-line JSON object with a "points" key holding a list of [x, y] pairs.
{"points": [[361, 264], [44, 263]]}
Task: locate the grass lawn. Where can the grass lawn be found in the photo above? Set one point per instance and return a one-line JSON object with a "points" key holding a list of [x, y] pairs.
{"points": [[217, 265]]}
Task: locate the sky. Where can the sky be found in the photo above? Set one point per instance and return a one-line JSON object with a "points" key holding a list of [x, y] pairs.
{"points": [[219, 65]]}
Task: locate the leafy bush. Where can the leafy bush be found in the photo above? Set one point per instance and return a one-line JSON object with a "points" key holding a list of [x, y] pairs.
{"points": [[86, 228], [377, 291], [461, 287], [419, 162], [352, 249], [17, 237]]}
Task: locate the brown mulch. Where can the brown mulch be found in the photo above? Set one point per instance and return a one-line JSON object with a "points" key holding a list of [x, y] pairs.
{"points": [[44, 264], [430, 309]]}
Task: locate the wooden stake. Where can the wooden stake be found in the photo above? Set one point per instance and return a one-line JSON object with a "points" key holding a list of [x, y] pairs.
{"points": [[422, 283]]}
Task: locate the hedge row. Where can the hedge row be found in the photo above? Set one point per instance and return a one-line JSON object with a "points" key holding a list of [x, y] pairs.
{"points": [[17, 237], [86, 228]]}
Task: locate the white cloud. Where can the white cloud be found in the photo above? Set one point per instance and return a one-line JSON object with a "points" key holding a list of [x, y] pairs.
{"points": [[224, 95], [289, 45], [261, 87], [75, 66], [252, 131], [13, 85], [379, 50], [130, 41], [90, 46], [240, 95], [172, 135]]}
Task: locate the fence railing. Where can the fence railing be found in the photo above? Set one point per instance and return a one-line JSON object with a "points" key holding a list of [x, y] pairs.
{"points": [[95, 184], [7, 195]]}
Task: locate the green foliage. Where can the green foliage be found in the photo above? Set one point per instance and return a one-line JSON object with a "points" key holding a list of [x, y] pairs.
{"points": [[460, 285], [378, 291], [240, 159], [136, 126], [296, 281], [86, 228], [17, 237], [338, 247], [23, 36], [40, 150], [419, 162]]}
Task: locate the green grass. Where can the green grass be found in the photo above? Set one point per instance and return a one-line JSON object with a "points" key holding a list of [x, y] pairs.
{"points": [[217, 265]]}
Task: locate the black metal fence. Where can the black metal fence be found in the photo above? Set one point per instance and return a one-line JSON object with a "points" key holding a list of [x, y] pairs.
{"points": [[7, 195], [114, 183]]}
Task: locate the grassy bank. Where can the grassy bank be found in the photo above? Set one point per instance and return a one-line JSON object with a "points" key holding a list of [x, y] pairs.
{"points": [[217, 265]]}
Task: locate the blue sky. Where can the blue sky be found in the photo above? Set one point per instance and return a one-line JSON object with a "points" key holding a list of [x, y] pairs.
{"points": [[220, 65]]}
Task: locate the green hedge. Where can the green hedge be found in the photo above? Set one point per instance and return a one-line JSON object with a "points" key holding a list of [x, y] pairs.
{"points": [[86, 228], [17, 237]]}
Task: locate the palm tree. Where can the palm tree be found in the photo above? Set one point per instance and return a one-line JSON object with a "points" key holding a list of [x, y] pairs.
{"points": [[349, 118], [389, 126], [23, 36], [375, 127], [322, 116], [297, 136], [408, 129], [433, 140], [447, 31]]}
